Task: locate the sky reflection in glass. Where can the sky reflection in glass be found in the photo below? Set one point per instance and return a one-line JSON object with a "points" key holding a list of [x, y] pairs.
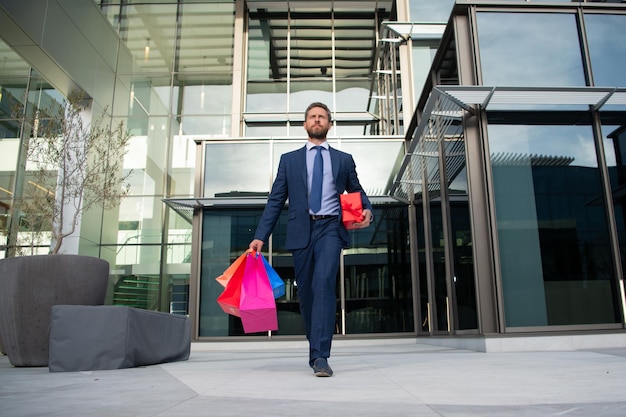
{"points": [[524, 49]]}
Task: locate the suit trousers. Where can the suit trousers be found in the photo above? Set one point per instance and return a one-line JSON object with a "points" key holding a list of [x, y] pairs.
{"points": [[316, 268]]}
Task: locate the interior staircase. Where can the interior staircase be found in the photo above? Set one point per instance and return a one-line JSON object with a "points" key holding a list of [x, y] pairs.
{"points": [[137, 291]]}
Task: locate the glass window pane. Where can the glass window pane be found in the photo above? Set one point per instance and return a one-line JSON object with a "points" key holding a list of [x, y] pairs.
{"points": [[423, 53], [9, 149], [12, 65], [146, 156], [353, 95], [310, 55], [138, 220], [137, 278], [430, 11], [354, 40], [463, 280], [377, 275], [614, 140], [149, 32], [225, 235], [206, 126], [227, 169], [263, 130], [305, 92], [267, 48], [605, 35], [206, 39], [138, 95], [440, 304], [14, 72], [266, 97], [283, 146], [555, 255], [375, 161], [182, 170], [530, 49], [201, 95], [177, 268]]}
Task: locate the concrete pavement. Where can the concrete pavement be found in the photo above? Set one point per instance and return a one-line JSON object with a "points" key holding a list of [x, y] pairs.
{"points": [[385, 377]]}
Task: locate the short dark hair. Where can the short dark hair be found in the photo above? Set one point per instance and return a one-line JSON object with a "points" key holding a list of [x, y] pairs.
{"points": [[320, 105]]}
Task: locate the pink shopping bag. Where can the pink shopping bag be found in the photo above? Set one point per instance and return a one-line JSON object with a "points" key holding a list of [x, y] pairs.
{"points": [[257, 306]]}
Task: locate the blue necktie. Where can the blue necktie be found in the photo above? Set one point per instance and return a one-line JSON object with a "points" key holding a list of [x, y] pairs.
{"points": [[315, 197]]}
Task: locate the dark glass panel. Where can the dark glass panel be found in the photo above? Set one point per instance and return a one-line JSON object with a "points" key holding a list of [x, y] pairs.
{"points": [[378, 275], [463, 283], [226, 234], [614, 140], [554, 248]]}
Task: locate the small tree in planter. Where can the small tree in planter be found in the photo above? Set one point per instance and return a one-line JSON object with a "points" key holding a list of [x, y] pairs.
{"points": [[72, 166]]}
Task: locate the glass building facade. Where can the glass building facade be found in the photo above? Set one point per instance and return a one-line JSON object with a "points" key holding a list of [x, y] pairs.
{"points": [[487, 134]]}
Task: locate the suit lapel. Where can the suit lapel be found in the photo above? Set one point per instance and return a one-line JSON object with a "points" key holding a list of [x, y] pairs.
{"points": [[334, 160], [301, 161]]}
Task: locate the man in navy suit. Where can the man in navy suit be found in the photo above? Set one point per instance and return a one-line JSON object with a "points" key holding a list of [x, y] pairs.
{"points": [[315, 235]]}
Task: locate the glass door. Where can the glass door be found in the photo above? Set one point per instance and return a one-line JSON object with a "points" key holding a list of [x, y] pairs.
{"points": [[374, 291]]}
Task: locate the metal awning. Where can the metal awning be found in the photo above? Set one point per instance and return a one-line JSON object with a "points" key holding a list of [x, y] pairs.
{"points": [[415, 30], [596, 97], [183, 206], [186, 207], [440, 122]]}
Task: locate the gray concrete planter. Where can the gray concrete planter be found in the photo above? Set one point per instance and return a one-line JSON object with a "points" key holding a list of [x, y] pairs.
{"points": [[30, 286]]}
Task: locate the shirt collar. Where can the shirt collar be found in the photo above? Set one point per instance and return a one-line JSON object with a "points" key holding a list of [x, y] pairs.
{"points": [[310, 145]]}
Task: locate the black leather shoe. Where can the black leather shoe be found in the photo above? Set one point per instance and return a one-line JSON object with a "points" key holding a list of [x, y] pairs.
{"points": [[321, 368]]}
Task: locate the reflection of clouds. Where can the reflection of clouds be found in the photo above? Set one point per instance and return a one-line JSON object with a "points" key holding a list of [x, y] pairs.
{"points": [[209, 126], [374, 162], [557, 141], [272, 102], [236, 167], [266, 102], [605, 35], [430, 11], [300, 100], [508, 138], [352, 99], [246, 167], [529, 49], [585, 151]]}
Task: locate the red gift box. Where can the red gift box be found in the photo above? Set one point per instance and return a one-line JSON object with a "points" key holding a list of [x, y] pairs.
{"points": [[351, 209]]}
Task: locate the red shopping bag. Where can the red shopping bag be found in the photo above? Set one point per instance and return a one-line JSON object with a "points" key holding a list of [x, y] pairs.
{"points": [[230, 298], [351, 209], [228, 273], [257, 306]]}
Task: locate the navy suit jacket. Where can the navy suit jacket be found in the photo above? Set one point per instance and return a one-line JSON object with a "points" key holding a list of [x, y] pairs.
{"points": [[291, 184]]}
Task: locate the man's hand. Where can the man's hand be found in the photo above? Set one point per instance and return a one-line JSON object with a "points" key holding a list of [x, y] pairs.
{"points": [[367, 219], [256, 245]]}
